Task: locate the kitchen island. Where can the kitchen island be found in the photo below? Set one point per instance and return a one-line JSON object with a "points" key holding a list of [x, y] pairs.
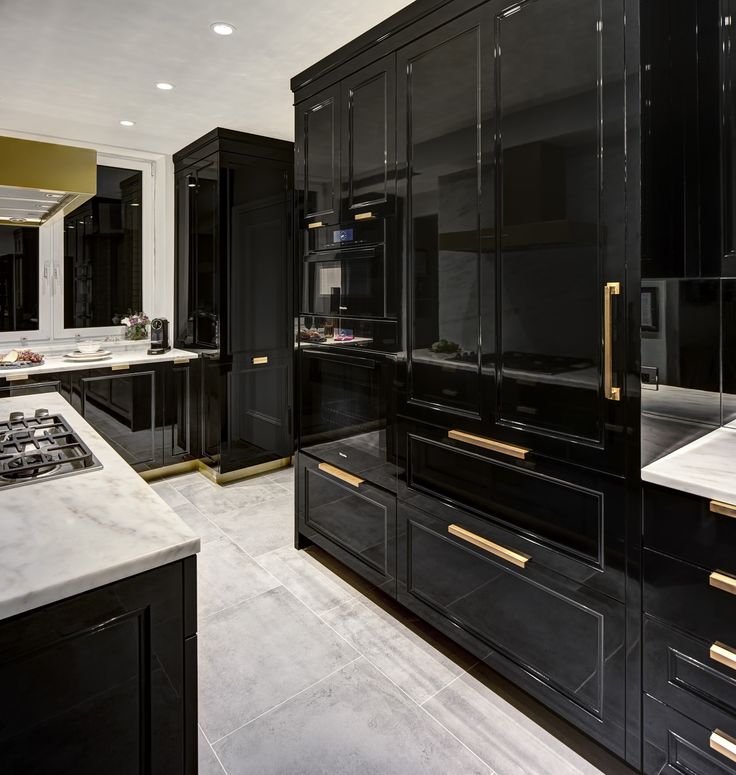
{"points": [[97, 619]]}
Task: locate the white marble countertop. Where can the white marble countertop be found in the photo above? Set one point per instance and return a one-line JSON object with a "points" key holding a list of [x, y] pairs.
{"points": [[55, 362], [63, 536], [705, 467]]}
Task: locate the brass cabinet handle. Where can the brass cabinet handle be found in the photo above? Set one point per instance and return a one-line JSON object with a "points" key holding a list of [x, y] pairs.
{"points": [[515, 558], [15, 377], [182, 360], [723, 581], [259, 360], [363, 216], [720, 652], [314, 225], [724, 744], [492, 444], [609, 291], [338, 473], [120, 367], [725, 509]]}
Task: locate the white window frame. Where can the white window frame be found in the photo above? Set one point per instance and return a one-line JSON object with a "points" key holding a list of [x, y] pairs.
{"points": [[148, 213]]}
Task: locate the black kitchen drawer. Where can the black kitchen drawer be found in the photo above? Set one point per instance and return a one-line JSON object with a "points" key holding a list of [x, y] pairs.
{"points": [[681, 594], [570, 520], [683, 526], [675, 745], [558, 640], [679, 671], [355, 522]]}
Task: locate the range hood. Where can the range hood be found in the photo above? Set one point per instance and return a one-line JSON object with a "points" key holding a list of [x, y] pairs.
{"points": [[38, 180]]}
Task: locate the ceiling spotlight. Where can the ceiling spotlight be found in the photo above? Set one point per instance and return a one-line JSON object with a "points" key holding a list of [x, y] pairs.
{"points": [[135, 204], [164, 86], [222, 28], [54, 196], [127, 122]]}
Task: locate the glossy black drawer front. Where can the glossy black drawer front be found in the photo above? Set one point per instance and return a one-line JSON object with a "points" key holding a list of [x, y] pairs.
{"points": [[352, 515], [696, 677], [567, 639], [684, 526], [683, 595], [675, 745], [572, 527]]}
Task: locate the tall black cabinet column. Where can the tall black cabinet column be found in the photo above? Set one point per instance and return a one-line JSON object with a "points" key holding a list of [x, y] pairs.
{"points": [[234, 290]]}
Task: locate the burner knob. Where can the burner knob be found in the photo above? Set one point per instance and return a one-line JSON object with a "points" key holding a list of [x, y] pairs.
{"points": [[16, 416], [41, 413]]}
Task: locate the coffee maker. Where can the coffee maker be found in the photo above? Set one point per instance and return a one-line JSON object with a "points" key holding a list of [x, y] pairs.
{"points": [[159, 336]]}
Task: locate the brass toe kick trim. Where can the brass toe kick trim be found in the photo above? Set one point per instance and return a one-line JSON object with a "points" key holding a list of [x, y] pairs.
{"points": [[515, 558], [495, 446]]}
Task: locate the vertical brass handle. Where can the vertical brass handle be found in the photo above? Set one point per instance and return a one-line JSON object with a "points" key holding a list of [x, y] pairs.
{"points": [[720, 652], [724, 509], [724, 744], [609, 291], [515, 558], [723, 582], [314, 225]]}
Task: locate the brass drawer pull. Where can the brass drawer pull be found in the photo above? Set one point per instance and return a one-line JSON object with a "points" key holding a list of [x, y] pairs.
{"points": [[363, 216], [344, 476], [259, 360], [314, 225], [492, 444], [182, 360], [724, 744], [120, 367], [725, 509], [720, 652], [609, 291], [16, 377], [515, 558], [723, 581]]}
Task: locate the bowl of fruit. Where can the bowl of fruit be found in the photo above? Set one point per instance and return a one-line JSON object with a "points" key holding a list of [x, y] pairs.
{"points": [[19, 359]]}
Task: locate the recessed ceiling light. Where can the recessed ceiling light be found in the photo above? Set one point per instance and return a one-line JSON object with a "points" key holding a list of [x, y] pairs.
{"points": [[222, 28], [135, 204], [54, 196], [127, 122], [164, 86]]}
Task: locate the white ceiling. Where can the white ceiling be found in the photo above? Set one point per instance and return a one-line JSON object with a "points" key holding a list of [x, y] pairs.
{"points": [[74, 68]]}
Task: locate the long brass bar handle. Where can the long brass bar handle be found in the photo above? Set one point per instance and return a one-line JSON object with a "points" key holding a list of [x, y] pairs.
{"points": [[314, 225], [495, 446], [364, 216], [724, 744], [338, 473], [515, 558], [609, 291], [725, 509], [720, 652], [723, 582]]}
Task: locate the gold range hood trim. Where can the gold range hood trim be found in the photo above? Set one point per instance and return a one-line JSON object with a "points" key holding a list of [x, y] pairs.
{"points": [[29, 167]]}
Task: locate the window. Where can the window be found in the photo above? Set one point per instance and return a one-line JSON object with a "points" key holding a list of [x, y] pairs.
{"points": [[19, 292], [103, 252]]}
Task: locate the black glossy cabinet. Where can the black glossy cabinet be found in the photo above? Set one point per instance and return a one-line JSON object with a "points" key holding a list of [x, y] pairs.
{"points": [[345, 152], [512, 173], [234, 274], [105, 681], [33, 384]]}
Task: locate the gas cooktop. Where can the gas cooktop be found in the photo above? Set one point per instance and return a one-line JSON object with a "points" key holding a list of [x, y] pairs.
{"points": [[39, 448]]}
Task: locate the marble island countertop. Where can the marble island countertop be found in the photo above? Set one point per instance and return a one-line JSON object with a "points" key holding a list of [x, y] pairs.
{"points": [[705, 467], [60, 537], [132, 355]]}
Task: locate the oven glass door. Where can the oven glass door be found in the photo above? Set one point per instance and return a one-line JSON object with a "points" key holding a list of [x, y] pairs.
{"points": [[345, 282]]}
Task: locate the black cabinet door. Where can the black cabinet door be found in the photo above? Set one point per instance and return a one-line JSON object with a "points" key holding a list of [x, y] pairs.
{"points": [[368, 141], [444, 163], [97, 683], [317, 158], [728, 92], [33, 384], [121, 407], [179, 416]]}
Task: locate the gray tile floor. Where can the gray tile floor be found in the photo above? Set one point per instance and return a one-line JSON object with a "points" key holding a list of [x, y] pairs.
{"points": [[305, 669]]}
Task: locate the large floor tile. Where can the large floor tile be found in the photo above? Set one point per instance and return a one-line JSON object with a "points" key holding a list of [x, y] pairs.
{"points": [[316, 586], [262, 527], [259, 653], [208, 764], [169, 494], [203, 527], [227, 575], [207, 497], [355, 722], [283, 475], [403, 656], [511, 742], [184, 480]]}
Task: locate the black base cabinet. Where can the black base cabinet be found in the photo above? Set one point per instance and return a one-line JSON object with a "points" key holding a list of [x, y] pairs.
{"points": [[104, 682]]}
